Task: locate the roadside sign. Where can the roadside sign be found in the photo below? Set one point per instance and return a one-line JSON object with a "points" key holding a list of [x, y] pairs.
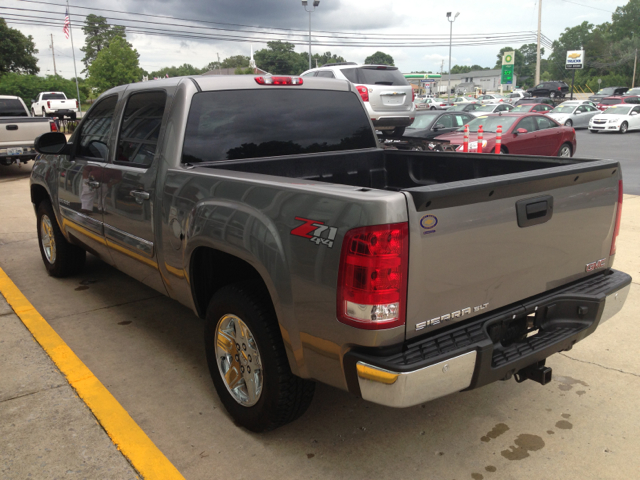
{"points": [[506, 76], [508, 58], [575, 59], [428, 80]]}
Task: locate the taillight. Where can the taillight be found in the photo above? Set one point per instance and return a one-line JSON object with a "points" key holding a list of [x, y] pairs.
{"points": [[559, 88], [616, 230], [53, 127], [48, 104], [271, 80], [364, 92], [372, 280], [77, 105], [413, 95]]}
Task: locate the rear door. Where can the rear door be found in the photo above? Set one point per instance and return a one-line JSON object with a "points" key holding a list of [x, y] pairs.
{"points": [[470, 253]]}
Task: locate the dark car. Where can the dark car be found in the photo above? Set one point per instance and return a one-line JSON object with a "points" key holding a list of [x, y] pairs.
{"points": [[608, 101], [431, 123], [532, 108], [552, 89], [608, 92], [522, 134], [528, 100]]}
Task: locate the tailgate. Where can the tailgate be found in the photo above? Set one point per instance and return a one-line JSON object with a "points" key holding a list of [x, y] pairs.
{"points": [[21, 131], [479, 245], [397, 98]]}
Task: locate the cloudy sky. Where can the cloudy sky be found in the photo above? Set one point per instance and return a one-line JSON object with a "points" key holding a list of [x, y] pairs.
{"points": [[369, 22]]}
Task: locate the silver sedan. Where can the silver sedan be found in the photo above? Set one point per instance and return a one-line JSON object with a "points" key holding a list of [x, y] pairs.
{"points": [[573, 115]]}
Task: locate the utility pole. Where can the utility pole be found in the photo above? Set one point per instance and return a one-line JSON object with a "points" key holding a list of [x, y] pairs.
{"points": [[73, 51], [537, 79], [55, 72], [633, 79]]}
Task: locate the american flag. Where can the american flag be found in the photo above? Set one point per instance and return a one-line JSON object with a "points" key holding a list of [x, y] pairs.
{"points": [[67, 22]]}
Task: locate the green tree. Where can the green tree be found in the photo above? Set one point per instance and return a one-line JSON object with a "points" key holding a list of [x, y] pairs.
{"points": [[571, 39], [28, 86], [626, 20], [17, 51], [117, 64], [98, 36], [181, 71], [280, 58], [321, 59], [236, 61], [379, 58]]}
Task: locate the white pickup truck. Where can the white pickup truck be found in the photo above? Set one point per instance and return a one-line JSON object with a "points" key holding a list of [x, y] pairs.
{"points": [[18, 130], [54, 104]]}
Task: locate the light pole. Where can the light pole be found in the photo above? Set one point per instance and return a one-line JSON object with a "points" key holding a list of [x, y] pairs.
{"points": [[315, 4], [450, 39]]}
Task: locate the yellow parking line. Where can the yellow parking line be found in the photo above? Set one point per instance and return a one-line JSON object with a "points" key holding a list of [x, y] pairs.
{"points": [[125, 433]]}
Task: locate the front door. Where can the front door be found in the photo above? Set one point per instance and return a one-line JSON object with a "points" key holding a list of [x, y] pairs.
{"points": [[130, 189], [80, 180], [524, 143]]}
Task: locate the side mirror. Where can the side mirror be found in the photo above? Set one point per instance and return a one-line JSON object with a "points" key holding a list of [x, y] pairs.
{"points": [[577, 113], [438, 126], [52, 143], [634, 113], [522, 130]]}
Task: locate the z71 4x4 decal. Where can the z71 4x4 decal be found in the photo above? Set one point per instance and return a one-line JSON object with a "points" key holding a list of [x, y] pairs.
{"points": [[316, 232]]}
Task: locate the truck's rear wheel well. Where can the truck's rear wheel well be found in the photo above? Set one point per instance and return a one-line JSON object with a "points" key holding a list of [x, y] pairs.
{"points": [[38, 194], [212, 269]]}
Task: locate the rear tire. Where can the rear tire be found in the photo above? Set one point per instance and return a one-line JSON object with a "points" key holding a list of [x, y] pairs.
{"points": [[60, 257], [565, 150], [568, 123], [242, 315]]}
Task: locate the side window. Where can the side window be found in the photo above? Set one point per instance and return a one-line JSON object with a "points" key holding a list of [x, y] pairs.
{"points": [[590, 108], [581, 109], [445, 121], [528, 124], [636, 109], [326, 74], [545, 108], [94, 136], [537, 108], [461, 120], [309, 74], [140, 128], [545, 123]]}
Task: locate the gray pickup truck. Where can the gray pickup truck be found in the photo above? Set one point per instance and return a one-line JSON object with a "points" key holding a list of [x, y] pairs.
{"points": [[266, 205], [18, 130]]}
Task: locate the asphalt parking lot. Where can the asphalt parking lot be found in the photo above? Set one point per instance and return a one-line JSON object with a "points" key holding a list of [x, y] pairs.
{"points": [[147, 350]]}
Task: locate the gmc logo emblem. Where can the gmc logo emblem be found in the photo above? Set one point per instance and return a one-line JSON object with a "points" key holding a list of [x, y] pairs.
{"points": [[590, 267]]}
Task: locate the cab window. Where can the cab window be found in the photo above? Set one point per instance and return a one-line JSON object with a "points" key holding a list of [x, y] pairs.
{"points": [[140, 128], [528, 124]]}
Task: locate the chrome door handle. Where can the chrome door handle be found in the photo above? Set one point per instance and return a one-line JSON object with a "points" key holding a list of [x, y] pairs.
{"points": [[93, 184], [139, 194]]}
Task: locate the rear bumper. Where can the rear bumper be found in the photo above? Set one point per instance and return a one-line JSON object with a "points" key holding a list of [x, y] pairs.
{"points": [[483, 350], [393, 121]]}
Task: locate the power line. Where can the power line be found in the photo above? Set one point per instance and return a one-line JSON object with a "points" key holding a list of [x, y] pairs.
{"points": [[588, 6]]}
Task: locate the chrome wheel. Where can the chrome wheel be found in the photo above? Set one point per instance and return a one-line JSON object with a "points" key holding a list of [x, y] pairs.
{"points": [[47, 239], [568, 123], [565, 151], [238, 360], [624, 127]]}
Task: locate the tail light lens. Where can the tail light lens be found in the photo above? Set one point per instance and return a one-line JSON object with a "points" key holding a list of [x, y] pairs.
{"points": [[53, 127], [77, 105], [616, 230], [272, 80], [372, 281], [413, 95], [364, 92], [48, 104]]}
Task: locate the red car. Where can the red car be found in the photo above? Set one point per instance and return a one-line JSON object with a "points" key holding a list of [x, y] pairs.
{"points": [[532, 107], [608, 101], [522, 134]]}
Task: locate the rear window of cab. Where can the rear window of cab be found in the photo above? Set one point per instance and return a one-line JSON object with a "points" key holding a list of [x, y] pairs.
{"points": [[268, 122]]}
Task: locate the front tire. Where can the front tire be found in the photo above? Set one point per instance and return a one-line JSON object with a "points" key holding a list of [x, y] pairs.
{"points": [[247, 360], [60, 257], [624, 127], [43, 113], [568, 123]]}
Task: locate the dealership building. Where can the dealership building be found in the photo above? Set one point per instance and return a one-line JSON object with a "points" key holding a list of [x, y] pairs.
{"points": [[487, 80]]}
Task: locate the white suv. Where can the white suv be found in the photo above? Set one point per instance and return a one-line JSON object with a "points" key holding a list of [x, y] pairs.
{"points": [[385, 92]]}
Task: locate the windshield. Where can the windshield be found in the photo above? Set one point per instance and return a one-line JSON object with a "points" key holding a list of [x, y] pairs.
{"points": [[618, 110], [564, 109], [634, 91], [422, 122], [457, 108], [606, 91], [374, 76], [490, 124], [486, 108]]}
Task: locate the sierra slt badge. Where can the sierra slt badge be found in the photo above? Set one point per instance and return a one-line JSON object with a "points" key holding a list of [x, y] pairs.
{"points": [[450, 316], [317, 232]]}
